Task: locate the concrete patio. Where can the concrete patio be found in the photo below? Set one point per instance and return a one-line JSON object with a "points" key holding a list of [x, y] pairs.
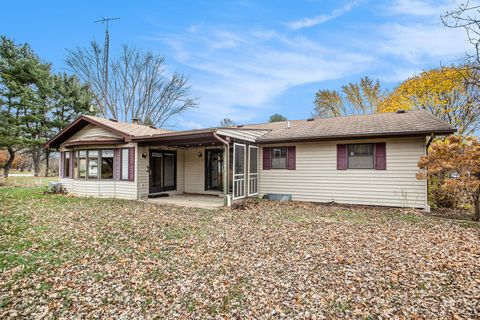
{"points": [[190, 200]]}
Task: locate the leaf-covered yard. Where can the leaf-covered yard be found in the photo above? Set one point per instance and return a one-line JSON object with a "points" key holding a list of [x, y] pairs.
{"points": [[69, 257]]}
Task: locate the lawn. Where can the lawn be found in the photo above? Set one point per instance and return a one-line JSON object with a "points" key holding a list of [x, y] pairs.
{"points": [[67, 257]]}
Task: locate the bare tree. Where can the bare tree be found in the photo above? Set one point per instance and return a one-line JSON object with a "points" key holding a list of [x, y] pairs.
{"points": [[138, 85], [467, 16]]}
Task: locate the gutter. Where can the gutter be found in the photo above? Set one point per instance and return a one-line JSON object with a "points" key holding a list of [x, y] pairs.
{"points": [[226, 164]]}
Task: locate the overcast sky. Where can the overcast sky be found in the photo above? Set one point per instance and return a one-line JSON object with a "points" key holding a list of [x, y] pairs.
{"points": [[249, 59]]}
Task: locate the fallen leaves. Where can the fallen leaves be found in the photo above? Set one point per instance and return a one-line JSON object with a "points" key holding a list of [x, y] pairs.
{"points": [[93, 258]]}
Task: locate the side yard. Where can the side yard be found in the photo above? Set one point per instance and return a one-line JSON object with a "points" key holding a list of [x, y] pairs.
{"points": [[62, 256]]}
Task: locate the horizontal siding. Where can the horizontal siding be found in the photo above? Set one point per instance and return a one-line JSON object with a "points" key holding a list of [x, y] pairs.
{"points": [[91, 131], [103, 189], [317, 179], [195, 172]]}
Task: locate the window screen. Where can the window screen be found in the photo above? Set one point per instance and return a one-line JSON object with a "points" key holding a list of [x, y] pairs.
{"points": [[66, 164], [107, 164], [82, 163], [360, 156], [279, 158], [92, 164], [124, 164]]}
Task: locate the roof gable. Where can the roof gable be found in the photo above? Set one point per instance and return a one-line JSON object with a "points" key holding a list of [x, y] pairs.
{"points": [[120, 130]]}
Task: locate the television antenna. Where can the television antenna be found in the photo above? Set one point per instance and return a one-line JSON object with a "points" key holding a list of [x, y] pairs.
{"points": [[106, 49]]}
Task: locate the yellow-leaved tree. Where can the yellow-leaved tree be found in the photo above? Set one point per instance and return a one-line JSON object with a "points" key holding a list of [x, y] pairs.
{"points": [[444, 92]]}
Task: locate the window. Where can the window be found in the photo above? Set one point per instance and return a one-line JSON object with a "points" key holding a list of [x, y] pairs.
{"points": [[66, 164], [360, 156], [125, 160], [279, 157], [106, 169], [82, 164], [92, 164], [253, 159]]}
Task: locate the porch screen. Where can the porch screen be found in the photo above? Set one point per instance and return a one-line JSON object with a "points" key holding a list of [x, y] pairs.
{"points": [[239, 174], [252, 170]]}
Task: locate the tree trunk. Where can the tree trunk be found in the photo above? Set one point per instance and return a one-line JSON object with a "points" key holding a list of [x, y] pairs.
{"points": [[9, 162], [47, 162], [36, 158]]}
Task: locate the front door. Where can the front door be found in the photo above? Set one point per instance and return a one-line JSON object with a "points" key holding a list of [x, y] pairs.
{"points": [[214, 169], [163, 167]]}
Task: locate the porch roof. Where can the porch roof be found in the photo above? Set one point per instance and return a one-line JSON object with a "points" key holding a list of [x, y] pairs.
{"points": [[200, 137]]}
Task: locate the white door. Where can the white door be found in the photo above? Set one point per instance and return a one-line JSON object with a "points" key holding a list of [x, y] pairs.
{"points": [[239, 170]]}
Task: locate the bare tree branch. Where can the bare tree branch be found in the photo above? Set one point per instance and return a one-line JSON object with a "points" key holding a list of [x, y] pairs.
{"points": [[138, 87]]}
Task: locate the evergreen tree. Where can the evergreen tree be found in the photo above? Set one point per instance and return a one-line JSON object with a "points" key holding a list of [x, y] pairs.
{"points": [[34, 104], [277, 118], [18, 100]]}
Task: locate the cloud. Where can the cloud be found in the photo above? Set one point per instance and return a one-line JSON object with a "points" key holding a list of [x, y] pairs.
{"points": [[419, 7], [413, 42], [242, 72], [240, 80], [311, 22]]}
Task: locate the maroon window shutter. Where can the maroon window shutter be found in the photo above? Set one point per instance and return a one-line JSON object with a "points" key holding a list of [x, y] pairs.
{"points": [[72, 162], [341, 157], [61, 164], [131, 164], [380, 156], [291, 158], [118, 164], [266, 158]]}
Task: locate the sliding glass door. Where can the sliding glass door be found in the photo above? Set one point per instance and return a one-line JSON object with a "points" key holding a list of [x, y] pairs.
{"points": [[163, 167]]}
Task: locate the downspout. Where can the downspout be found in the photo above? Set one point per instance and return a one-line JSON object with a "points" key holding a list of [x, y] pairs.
{"points": [[226, 166], [427, 207]]}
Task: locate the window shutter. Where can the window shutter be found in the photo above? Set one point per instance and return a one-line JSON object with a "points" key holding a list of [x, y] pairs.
{"points": [[61, 164], [380, 156], [291, 158], [118, 164], [341, 157], [131, 164], [266, 158]]}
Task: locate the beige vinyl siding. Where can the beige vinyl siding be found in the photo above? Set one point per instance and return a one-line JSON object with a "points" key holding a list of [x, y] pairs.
{"points": [[91, 131], [143, 174], [100, 188], [195, 172], [317, 179]]}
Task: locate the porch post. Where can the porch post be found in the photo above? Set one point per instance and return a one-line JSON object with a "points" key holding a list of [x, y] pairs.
{"points": [[226, 166]]}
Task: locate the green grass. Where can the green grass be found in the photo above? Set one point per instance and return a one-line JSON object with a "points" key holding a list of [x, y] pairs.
{"points": [[26, 182]]}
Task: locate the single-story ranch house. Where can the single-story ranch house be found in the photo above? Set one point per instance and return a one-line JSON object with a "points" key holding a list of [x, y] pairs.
{"points": [[366, 159]]}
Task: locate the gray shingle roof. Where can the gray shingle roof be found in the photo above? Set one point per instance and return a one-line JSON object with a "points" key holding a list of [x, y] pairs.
{"points": [[130, 129], [381, 124]]}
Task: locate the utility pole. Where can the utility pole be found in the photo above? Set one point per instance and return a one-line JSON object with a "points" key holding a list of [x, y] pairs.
{"points": [[106, 50]]}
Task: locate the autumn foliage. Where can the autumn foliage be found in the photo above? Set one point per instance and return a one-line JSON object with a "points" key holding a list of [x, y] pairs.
{"points": [[444, 92], [457, 160]]}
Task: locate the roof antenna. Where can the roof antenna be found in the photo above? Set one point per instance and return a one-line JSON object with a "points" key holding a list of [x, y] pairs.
{"points": [[106, 50]]}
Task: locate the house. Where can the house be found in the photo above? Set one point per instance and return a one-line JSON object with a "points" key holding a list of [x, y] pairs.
{"points": [[365, 159]]}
